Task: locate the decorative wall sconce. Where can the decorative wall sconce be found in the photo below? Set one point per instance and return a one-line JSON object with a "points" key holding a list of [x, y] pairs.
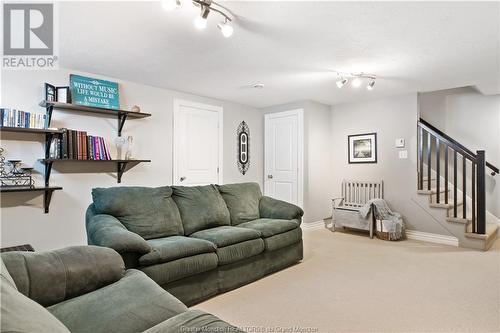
{"points": [[243, 149]]}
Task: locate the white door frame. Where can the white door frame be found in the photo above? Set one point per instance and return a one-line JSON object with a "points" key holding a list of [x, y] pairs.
{"points": [[300, 153], [177, 109]]}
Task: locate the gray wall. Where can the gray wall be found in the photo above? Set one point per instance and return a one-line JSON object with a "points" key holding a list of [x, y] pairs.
{"points": [[472, 119], [317, 157], [390, 118], [23, 220]]}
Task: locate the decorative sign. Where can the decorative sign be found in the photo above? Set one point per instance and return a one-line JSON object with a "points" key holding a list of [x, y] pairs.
{"points": [[93, 92], [243, 141]]}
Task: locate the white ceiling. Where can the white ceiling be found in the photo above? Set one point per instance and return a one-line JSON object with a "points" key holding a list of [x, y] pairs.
{"points": [[291, 47]]}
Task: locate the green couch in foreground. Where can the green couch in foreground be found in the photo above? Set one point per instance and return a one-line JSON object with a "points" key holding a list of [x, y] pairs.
{"points": [[198, 241], [86, 289]]}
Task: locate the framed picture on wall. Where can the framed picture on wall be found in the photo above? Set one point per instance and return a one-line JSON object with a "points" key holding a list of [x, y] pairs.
{"points": [[362, 148]]}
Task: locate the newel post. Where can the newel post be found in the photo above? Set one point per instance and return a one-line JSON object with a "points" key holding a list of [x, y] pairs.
{"points": [[481, 192]]}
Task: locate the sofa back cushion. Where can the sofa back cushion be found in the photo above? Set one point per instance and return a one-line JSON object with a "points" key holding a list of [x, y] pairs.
{"points": [[147, 211], [201, 207], [55, 276], [242, 200], [21, 314]]}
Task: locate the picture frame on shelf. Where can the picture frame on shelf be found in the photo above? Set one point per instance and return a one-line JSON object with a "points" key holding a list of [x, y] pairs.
{"points": [[50, 93], [362, 148], [63, 94]]}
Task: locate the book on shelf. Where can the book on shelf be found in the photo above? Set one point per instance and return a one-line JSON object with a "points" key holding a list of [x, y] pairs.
{"points": [[78, 145], [22, 119]]}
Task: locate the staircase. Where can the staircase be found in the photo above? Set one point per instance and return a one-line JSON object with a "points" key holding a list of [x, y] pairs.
{"points": [[452, 184]]}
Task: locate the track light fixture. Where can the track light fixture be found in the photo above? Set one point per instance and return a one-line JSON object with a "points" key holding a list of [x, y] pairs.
{"points": [[206, 7], [357, 80]]}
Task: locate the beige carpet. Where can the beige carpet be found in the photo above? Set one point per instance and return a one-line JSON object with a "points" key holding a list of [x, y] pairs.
{"points": [[350, 283]]}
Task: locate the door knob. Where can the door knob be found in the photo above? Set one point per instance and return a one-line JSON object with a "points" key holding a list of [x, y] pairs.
{"points": [[270, 176], [183, 178]]}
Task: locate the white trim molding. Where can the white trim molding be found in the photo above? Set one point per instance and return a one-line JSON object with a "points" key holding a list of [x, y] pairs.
{"points": [[431, 238], [313, 225]]}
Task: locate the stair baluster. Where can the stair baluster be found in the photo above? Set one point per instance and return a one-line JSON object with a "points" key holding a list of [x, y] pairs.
{"points": [[464, 187], [446, 173], [481, 192], [455, 184], [438, 167]]}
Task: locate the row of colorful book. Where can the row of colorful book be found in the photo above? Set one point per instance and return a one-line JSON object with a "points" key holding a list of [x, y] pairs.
{"points": [[18, 118], [77, 145]]}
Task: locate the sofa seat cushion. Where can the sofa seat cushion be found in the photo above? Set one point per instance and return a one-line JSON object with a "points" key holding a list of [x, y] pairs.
{"points": [[181, 268], [21, 314], [201, 207], [132, 304], [242, 200], [282, 240], [149, 212], [193, 321], [226, 235], [174, 247], [270, 227], [239, 251]]}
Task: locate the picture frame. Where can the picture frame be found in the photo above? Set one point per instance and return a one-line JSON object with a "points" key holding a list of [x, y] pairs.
{"points": [[362, 148], [50, 93], [63, 94]]}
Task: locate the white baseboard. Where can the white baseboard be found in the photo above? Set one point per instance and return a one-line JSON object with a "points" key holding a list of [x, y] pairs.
{"points": [[431, 238], [313, 225]]}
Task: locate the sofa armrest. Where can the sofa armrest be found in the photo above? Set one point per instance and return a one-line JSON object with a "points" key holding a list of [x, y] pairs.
{"points": [[106, 230], [276, 209], [54, 276], [193, 321]]}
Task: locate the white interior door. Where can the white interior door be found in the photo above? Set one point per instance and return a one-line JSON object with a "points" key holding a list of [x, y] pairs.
{"points": [[197, 143], [284, 155]]}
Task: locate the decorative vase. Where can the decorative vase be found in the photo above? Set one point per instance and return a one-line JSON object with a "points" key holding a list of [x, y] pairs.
{"points": [[120, 142], [128, 154]]}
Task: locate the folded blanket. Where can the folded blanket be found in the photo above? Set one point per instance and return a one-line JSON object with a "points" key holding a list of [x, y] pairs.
{"points": [[387, 220]]}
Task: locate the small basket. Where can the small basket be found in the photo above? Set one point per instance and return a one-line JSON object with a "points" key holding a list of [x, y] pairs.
{"points": [[388, 236]]}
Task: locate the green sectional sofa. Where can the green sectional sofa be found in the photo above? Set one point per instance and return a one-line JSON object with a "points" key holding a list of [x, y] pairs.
{"points": [[86, 289], [197, 241]]}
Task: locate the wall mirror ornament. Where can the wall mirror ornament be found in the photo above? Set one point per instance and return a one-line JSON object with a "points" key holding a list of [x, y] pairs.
{"points": [[243, 149], [362, 148]]}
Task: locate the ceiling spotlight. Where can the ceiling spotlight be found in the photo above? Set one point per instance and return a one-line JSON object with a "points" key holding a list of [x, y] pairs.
{"points": [[258, 85], [371, 84], [200, 23], [342, 82], [170, 5], [225, 29], [356, 82]]}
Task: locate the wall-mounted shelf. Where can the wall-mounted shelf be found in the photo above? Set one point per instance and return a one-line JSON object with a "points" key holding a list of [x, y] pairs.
{"points": [[121, 115], [121, 165], [50, 133], [47, 192], [30, 130]]}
